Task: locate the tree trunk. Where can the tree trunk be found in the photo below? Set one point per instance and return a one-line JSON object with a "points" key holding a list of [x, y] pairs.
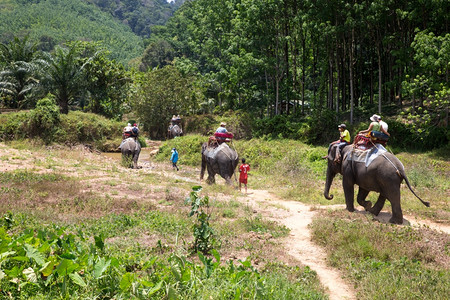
{"points": [[352, 47]]}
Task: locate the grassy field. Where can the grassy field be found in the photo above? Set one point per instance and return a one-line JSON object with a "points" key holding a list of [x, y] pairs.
{"points": [[78, 225]]}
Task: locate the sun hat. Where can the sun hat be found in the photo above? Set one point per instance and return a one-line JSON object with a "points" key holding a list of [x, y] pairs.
{"points": [[342, 125], [223, 124], [374, 118], [128, 124]]}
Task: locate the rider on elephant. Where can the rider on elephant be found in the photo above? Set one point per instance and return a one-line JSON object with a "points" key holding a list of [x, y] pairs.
{"points": [[127, 131], [344, 140], [376, 130], [222, 133]]}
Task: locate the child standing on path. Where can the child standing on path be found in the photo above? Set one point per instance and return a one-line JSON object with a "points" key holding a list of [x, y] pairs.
{"points": [[243, 170], [174, 158]]}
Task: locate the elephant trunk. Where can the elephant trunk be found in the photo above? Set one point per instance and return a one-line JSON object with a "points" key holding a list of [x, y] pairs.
{"points": [[329, 181]]}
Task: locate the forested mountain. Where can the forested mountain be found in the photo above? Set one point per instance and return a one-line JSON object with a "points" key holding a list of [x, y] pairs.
{"points": [[139, 15], [52, 22]]}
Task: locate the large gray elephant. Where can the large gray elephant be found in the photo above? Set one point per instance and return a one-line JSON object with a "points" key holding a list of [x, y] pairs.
{"points": [[174, 131], [131, 148], [383, 175], [221, 160]]}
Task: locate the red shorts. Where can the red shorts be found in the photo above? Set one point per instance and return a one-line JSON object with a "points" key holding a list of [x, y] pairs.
{"points": [[243, 180]]}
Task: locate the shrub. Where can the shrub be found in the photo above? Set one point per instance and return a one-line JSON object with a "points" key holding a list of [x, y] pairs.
{"points": [[240, 123], [45, 119]]}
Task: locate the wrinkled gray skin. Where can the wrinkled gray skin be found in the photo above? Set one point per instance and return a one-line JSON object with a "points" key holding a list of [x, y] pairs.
{"points": [[174, 131], [130, 151], [224, 164], [380, 176]]}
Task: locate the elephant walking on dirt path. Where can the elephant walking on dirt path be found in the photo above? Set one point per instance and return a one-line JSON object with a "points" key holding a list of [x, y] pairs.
{"points": [[130, 148], [383, 175], [221, 160]]}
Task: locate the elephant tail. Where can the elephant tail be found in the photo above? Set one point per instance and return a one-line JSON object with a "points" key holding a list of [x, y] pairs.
{"points": [[427, 204]]}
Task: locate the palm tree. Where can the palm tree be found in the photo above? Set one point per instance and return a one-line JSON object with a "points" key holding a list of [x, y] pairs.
{"points": [[18, 77], [64, 76]]}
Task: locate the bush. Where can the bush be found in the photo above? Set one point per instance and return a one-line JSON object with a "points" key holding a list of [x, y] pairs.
{"points": [[76, 127], [240, 123], [45, 119], [189, 148]]}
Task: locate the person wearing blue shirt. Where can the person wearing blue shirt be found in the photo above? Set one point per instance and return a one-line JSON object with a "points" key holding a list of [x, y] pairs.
{"points": [[222, 128], [174, 158]]}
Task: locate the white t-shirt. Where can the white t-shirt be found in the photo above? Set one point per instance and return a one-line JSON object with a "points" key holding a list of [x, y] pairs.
{"points": [[384, 125]]}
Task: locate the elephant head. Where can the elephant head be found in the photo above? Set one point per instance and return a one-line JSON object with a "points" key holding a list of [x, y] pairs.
{"points": [[174, 131]]}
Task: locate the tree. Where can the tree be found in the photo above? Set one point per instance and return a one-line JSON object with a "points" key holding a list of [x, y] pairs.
{"points": [[107, 82], [64, 76], [158, 54], [20, 61], [161, 93]]}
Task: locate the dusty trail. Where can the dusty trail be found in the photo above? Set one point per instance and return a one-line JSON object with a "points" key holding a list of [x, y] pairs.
{"points": [[297, 216]]}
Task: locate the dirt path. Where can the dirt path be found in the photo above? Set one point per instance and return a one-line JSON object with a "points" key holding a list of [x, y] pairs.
{"points": [[297, 216]]}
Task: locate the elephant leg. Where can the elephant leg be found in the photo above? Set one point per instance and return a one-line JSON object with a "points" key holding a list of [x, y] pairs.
{"points": [[228, 180], [397, 214], [349, 191], [378, 205], [361, 198], [211, 177]]}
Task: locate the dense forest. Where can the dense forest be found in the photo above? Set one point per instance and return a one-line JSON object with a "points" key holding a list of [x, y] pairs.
{"points": [[298, 67]]}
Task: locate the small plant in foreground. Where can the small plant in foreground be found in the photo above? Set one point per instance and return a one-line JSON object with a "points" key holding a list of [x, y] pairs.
{"points": [[203, 232]]}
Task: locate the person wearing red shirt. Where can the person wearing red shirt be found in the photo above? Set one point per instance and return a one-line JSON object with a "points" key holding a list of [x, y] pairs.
{"points": [[243, 169]]}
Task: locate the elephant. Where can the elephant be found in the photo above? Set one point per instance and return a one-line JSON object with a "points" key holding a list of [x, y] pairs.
{"points": [[383, 175], [221, 160], [131, 148], [174, 131]]}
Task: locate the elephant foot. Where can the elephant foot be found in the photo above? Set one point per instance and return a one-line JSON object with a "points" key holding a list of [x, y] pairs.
{"points": [[374, 211], [396, 220], [368, 205], [350, 209]]}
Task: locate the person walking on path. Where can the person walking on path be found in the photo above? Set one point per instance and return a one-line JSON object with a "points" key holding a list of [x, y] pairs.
{"points": [[243, 170], [174, 158]]}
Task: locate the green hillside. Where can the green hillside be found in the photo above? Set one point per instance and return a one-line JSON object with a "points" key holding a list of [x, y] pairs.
{"points": [[140, 16], [52, 22]]}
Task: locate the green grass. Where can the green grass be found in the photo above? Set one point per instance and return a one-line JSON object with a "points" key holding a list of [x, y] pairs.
{"points": [[385, 261]]}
